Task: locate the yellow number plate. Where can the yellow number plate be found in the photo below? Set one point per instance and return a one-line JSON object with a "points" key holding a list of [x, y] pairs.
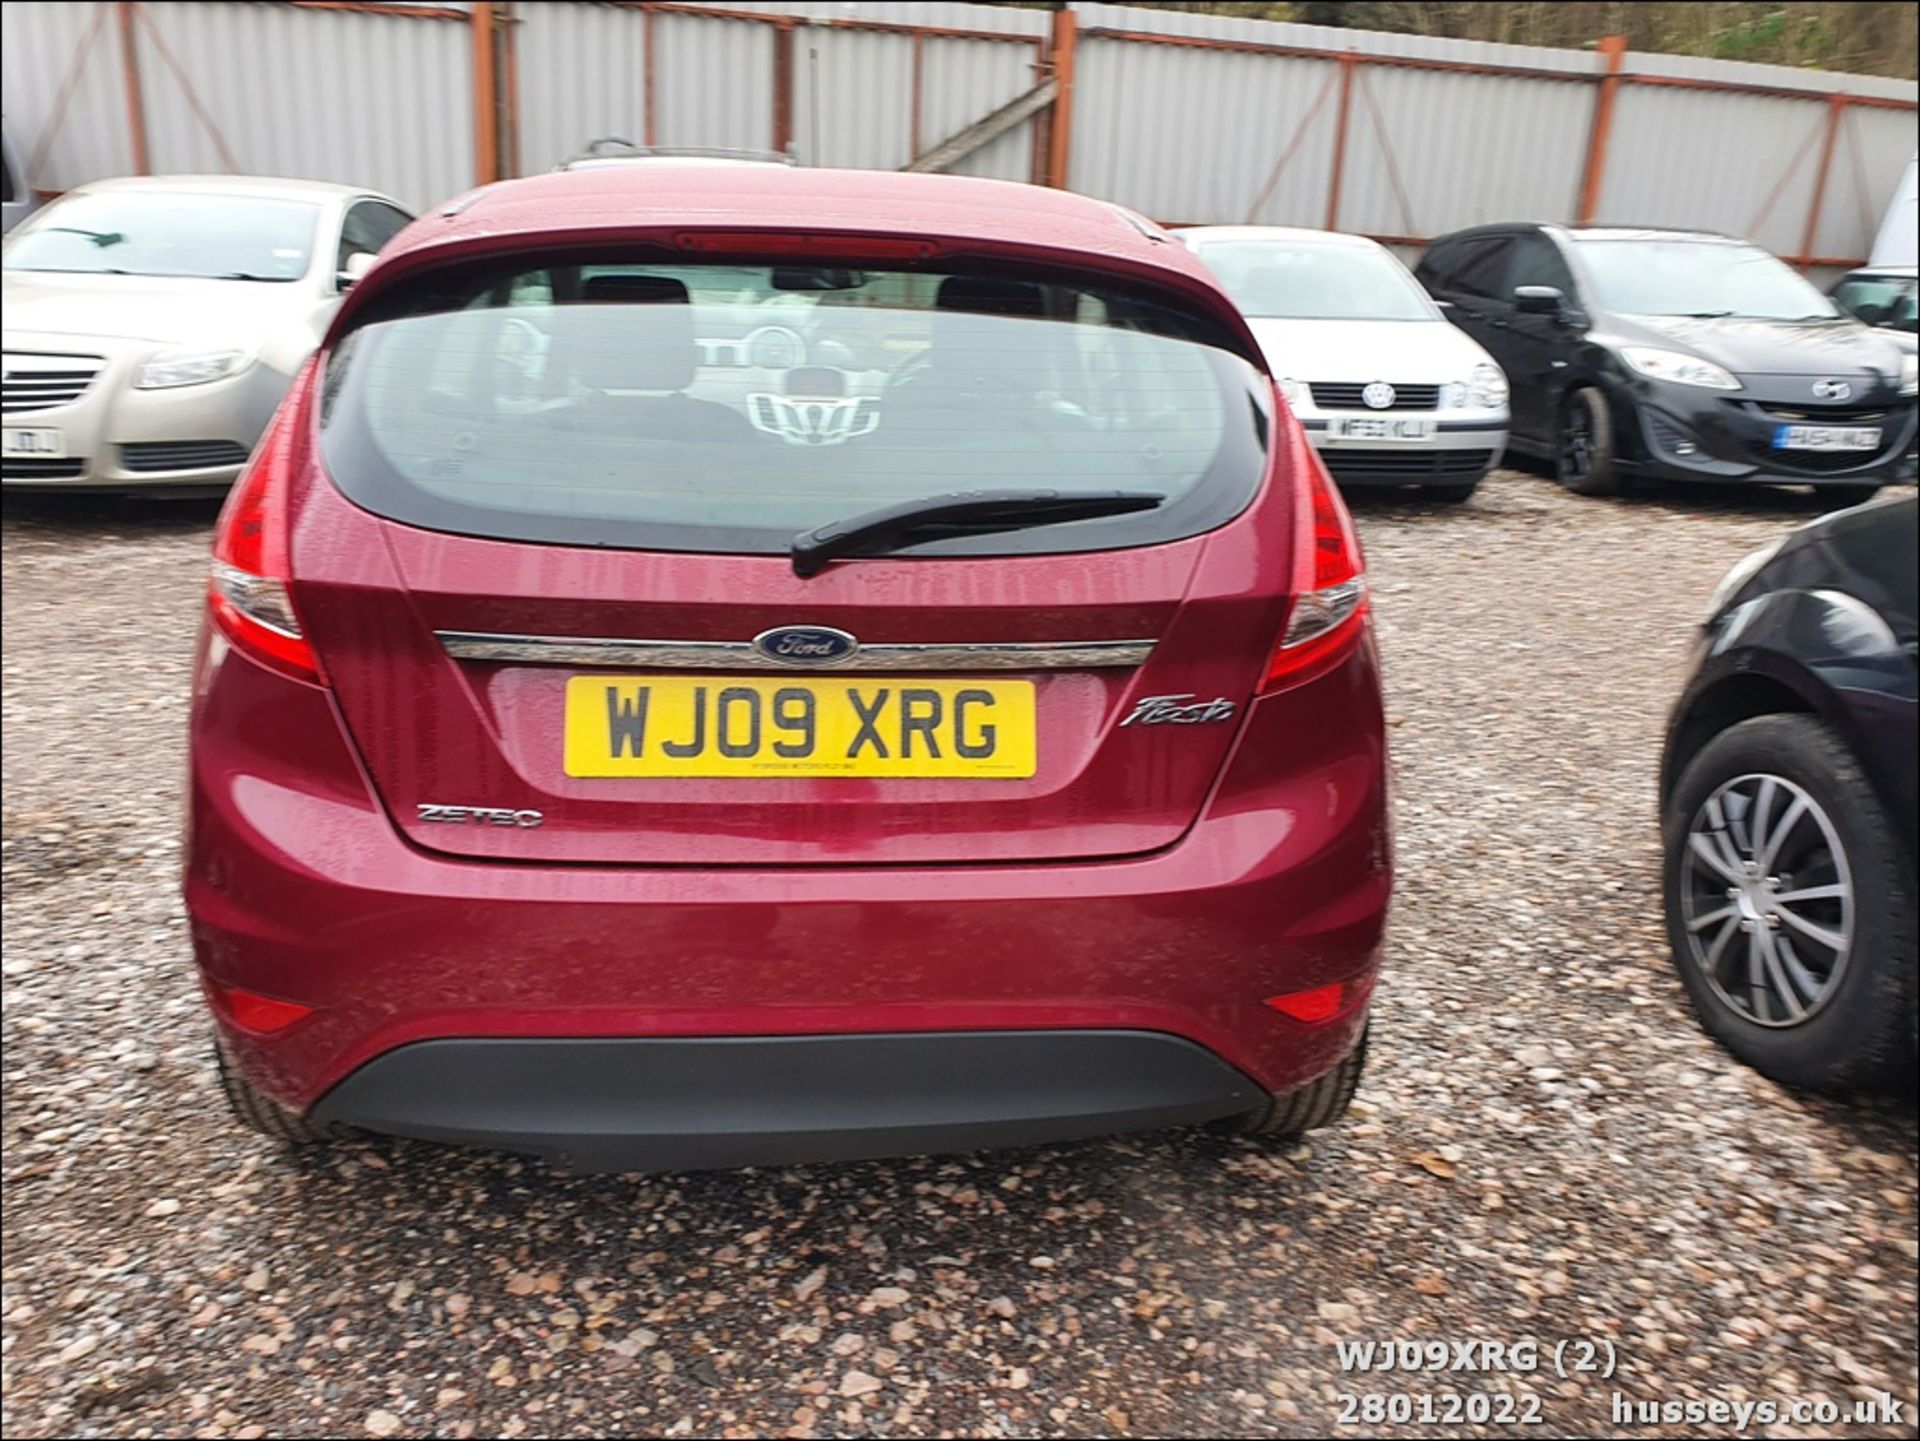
{"points": [[654, 725]]}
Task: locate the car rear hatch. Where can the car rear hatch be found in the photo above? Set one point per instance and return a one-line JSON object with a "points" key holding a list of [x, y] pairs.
{"points": [[550, 582]]}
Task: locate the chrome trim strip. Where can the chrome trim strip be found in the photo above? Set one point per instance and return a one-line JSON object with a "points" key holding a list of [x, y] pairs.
{"points": [[739, 655]]}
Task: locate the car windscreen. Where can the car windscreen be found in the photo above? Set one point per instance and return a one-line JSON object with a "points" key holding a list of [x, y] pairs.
{"points": [[1698, 278], [727, 408], [165, 233], [1273, 280], [1883, 300]]}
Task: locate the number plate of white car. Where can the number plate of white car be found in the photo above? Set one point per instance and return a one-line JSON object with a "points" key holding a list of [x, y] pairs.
{"points": [[1391, 428], [42, 444]]}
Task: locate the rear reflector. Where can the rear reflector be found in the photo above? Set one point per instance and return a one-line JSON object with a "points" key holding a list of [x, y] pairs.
{"points": [[1323, 1003], [1329, 611], [839, 247], [255, 1012], [247, 590]]}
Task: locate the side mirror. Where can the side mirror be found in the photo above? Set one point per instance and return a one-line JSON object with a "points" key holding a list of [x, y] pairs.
{"points": [[358, 264], [1539, 299]]}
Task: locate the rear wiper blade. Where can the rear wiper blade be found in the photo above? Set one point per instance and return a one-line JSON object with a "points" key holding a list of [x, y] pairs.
{"points": [[890, 526]]}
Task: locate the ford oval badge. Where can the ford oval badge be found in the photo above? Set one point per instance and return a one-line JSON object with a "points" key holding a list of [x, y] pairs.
{"points": [[805, 645]]}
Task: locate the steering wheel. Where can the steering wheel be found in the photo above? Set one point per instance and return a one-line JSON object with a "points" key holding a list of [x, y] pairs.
{"points": [[912, 374]]}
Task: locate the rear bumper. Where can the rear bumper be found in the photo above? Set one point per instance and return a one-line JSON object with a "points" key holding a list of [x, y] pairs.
{"points": [[687, 1104], [299, 887]]}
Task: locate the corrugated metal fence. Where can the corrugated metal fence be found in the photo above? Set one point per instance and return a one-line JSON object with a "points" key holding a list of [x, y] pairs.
{"points": [[1185, 117]]}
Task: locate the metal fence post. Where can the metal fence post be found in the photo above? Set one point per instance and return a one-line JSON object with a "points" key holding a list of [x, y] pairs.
{"points": [[1836, 112], [486, 96], [1065, 36], [509, 44], [1348, 60], [130, 74], [1614, 49], [783, 86]]}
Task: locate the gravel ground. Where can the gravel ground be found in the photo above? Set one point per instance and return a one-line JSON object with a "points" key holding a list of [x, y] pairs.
{"points": [[1546, 1146]]}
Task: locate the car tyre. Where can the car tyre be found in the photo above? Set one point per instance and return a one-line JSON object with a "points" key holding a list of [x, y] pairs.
{"points": [[1584, 459], [1860, 1031], [1317, 1104], [266, 1115], [1450, 494]]}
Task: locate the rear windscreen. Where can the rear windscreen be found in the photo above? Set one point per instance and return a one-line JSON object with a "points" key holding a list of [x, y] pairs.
{"points": [[728, 408]]}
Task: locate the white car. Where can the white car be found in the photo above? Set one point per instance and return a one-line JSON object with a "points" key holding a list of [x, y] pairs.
{"points": [[1390, 393], [152, 325]]}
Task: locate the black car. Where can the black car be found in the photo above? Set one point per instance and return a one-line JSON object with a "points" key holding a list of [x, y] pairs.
{"points": [[1886, 297], [1660, 354], [1788, 805]]}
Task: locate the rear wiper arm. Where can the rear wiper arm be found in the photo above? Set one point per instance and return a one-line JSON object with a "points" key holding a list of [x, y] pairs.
{"points": [[893, 525]]}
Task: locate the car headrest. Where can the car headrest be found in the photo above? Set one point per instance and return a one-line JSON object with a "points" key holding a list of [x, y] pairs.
{"points": [[633, 290], [628, 349], [987, 295], [958, 340]]}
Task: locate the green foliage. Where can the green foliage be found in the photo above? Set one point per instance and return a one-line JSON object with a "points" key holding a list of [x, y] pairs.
{"points": [[1868, 37]]}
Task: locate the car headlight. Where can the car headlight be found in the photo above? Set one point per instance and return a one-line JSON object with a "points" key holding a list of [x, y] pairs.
{"points": [[1743, 571], [1910, 374], [190, 367], [1680, 368], [1291, 390], [1488, 387]]}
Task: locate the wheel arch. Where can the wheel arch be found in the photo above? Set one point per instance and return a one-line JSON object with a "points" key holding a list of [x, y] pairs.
{"points": [[1719, 706], [1812, 652]]}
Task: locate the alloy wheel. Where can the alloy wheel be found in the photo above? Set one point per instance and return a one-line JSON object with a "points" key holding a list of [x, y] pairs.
{"points": [[1767, 900]]}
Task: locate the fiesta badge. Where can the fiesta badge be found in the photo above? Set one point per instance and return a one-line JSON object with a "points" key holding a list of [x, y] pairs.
{"points": [[805, 645]]}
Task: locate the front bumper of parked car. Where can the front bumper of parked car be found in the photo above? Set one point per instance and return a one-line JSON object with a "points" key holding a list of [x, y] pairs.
{"points": [[94, 430], [1463, 446], [1688, 432]]}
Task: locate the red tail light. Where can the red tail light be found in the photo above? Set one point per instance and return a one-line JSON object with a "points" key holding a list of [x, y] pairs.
{"points": [[255, 1012], [1323, 1003], [1328, 615], [248, 589]]}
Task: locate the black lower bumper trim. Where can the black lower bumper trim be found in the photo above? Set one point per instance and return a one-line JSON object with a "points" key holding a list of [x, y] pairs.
{"points": [[688, 1104]]}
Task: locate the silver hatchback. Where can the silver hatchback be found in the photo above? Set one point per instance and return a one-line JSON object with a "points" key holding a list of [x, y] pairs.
{"points": [[153, 324]]}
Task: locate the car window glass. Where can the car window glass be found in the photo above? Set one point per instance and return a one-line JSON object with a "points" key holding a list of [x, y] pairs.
{"points": [[1886, 300], [168, 233], [1312, 280], [1481, 271], [1697, 277], [1533, 260], [368, 226], [727, 408]]}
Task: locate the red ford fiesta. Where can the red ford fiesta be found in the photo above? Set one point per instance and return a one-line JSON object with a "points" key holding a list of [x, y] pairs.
{"points": [[722, 665]]}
